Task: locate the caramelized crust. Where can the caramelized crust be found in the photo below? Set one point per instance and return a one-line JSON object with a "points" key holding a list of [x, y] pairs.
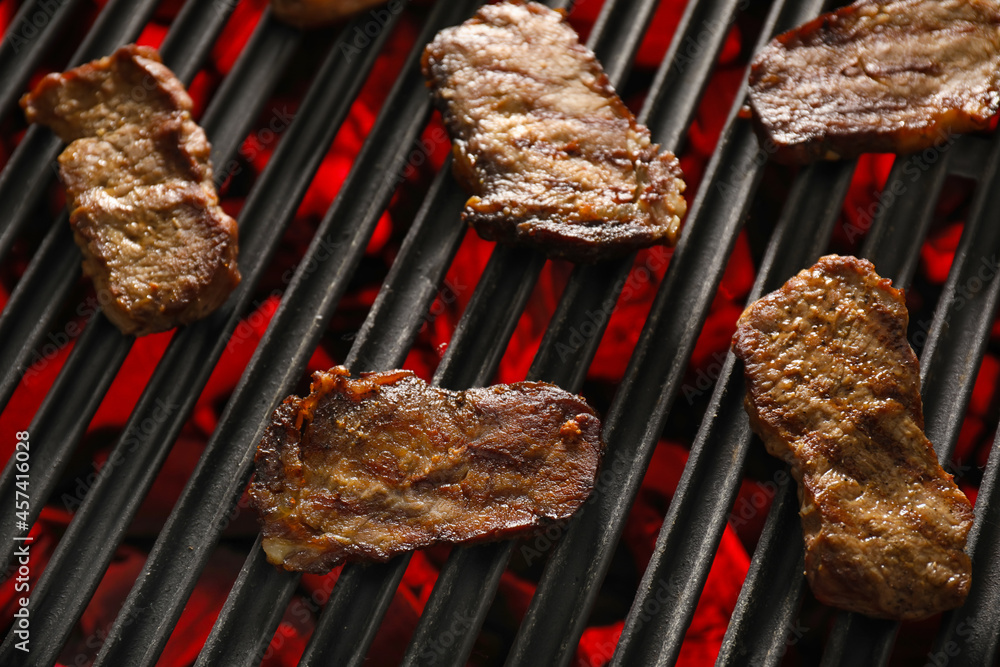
{"points": [[833, 388], [879, 76], [143, 208], [367, 468], [552, 157]]}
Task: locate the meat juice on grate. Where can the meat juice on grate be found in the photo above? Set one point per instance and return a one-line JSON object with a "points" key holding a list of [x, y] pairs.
{"points": [[517, 584]]}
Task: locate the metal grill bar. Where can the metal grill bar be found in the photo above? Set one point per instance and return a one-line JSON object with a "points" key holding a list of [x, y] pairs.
{"points": [[949, 364], [856, 639], [508, 279], [25, 43], [28, 172], [193, 527], [592, 292], [24, 180], [687, 73], [243, 630], [617, 34], [957, 341], [451, 608], [571, 579], [904, 225], [969, 635], [274, 43], [27, 319], [62, 419], [192, 35], [698, 513], [427, 251], [772, 591], [969, 159], [341, 637]]}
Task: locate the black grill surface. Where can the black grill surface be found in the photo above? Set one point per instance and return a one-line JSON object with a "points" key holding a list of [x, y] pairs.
{"points": [[772, 595]]}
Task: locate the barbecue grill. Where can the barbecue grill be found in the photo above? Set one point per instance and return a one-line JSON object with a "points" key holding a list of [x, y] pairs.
{"points": [[670, 588]]}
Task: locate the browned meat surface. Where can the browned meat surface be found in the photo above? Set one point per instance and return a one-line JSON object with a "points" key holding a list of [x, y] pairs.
{"points": [[887, 76], [143, 208], [551, 155], [368, 468], [833, 388], [314, 13]]}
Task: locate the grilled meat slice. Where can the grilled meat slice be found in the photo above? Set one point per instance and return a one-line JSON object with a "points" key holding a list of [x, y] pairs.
{"points": [[552, 157], [315, 13], [364, 469], [878, 76], [833, 388], [143, 207]]}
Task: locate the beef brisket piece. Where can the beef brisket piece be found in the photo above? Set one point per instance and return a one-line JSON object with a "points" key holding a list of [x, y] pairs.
{"points": [[878, 76], [143, 208], [552, 157], [364, 469], [833, 388]]}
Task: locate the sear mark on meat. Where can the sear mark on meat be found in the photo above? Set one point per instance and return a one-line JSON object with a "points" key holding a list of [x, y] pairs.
{"points": [[364, 469], [143, 208], [888, 76], [316, 13], [833, 388], [552, 157]]}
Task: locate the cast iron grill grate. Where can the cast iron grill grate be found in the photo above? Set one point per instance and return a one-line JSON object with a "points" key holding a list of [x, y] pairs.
{"points": [[699, 511]]}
